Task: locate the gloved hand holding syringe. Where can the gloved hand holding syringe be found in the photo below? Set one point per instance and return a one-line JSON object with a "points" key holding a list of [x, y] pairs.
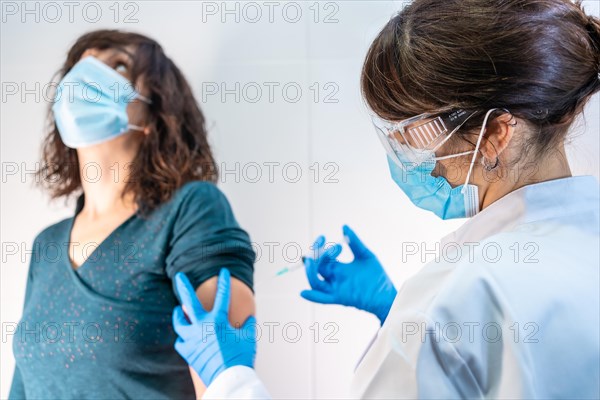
{"points": [[361, 283]]}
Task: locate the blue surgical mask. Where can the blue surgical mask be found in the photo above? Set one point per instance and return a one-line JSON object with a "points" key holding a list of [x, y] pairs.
{"points": [[435, 193], [431, 193], [90, 105]]}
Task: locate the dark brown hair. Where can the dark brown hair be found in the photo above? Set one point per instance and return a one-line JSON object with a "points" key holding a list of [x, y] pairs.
{"points": [[175, 152], [540, 59]]}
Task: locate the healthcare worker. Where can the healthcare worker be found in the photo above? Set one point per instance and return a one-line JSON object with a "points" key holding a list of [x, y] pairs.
{"points": [[473, 101]]}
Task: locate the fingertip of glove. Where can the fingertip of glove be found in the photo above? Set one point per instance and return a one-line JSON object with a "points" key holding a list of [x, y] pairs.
{"points": [[224, 273], [334, 250], [348, 234], [318, 242]]}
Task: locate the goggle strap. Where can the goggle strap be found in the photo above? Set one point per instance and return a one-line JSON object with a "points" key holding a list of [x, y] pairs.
{"points": [[464, 153]]}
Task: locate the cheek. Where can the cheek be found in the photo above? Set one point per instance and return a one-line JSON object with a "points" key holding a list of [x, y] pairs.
{"points": [[440, 169], [454, 145], [136, 112], [454, 170]]}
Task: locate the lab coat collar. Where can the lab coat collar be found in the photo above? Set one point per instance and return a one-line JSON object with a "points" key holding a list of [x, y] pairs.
{"points": [[549, 199]]}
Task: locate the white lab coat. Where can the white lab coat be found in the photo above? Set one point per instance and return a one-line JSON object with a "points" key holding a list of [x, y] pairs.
{"points": [[510, 310]]}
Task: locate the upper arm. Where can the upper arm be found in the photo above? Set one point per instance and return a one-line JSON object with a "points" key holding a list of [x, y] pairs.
{"points": [[241, 304], [17, 389], [31, 269], [206, 237], [467, 353]]}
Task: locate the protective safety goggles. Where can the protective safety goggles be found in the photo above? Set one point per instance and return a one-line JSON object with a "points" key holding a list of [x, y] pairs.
{"points": [[415, 138]]}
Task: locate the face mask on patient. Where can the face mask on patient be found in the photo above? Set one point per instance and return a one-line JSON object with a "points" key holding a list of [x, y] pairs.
{"points": [[90, 105]]}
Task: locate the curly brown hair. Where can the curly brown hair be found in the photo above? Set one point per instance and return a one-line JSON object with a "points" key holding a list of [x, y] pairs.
{"points": [[176, 150]]}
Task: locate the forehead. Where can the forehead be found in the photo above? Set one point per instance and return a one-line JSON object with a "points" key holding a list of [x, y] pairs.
{"points": [[118, 51]]}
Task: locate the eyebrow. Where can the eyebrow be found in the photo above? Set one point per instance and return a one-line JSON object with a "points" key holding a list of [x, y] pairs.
{"points": [[123, 50]]}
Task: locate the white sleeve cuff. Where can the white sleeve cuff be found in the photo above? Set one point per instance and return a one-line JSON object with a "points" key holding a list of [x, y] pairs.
{"points": [[238, 382]]}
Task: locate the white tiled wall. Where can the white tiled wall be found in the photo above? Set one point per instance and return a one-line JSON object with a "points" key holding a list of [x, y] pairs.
{"points": [[307, 350]]}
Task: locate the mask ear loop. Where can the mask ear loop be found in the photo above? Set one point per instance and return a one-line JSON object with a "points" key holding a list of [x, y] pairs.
{"points": [[134, 128], [464, 188], [145, 100]]}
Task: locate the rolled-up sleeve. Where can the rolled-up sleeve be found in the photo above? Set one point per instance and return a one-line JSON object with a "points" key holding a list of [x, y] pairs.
{"points": [[206, 237]]}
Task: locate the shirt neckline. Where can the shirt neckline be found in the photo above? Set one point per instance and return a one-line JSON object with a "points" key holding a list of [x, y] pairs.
{"points": [[95, 252]]}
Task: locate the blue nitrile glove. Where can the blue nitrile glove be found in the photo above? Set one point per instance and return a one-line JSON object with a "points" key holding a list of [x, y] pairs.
{"points": [[207, 341], [362, 283]]}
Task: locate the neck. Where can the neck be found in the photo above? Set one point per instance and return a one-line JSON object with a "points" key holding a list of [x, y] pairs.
{"points": [[549, 168], [104, 173]]}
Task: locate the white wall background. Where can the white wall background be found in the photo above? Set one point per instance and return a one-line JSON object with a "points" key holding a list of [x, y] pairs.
{"points": [[329, 140]]}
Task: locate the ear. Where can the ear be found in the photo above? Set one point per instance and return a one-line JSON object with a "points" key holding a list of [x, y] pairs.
{"points": [[146, 131], [499, 134], [89, 52]]}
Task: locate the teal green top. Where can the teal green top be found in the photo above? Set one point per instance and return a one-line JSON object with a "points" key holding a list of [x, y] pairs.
{"points": [[104, 330]]}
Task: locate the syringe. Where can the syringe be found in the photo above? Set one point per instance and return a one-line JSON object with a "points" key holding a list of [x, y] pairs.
{"points": [[317, 249], [290, 268]]}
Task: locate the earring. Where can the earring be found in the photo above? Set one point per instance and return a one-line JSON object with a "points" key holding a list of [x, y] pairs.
{"points": [[542, 113], [490, 167]]}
